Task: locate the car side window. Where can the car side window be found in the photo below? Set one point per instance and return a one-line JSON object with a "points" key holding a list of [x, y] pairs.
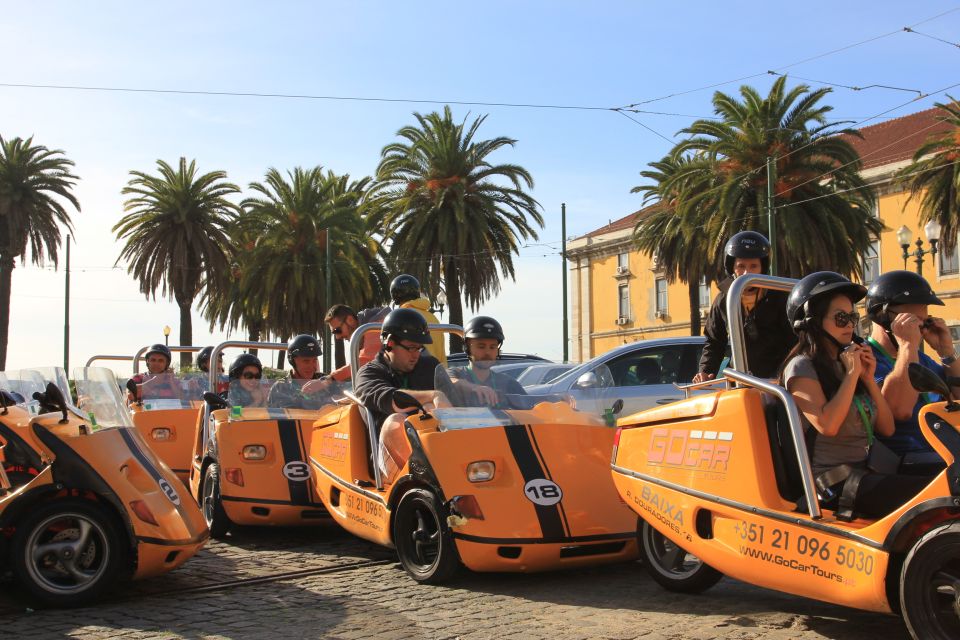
{"points": [[657, 365]]}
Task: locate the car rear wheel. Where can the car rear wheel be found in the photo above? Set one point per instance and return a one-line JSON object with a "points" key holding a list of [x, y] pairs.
{"points": [[424, 544], [930, 585], [66, 553], [671, 566], [217, 520]]}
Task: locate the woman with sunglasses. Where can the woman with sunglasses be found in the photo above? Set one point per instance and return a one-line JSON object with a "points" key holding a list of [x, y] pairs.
{"points": [[246, 389], [830, 376]]}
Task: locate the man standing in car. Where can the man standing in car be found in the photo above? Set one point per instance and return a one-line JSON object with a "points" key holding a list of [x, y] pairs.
{"points": [[767, 333]]}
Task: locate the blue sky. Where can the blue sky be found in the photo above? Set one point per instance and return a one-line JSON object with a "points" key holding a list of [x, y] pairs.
{"points": [[603, 54]]}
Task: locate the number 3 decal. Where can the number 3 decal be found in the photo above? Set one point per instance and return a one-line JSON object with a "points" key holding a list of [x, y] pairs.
{"points": [[297, 471], [543, 492]]}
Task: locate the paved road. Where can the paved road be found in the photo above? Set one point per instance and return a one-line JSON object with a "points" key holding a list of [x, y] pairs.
{"points": [[349, 589]]}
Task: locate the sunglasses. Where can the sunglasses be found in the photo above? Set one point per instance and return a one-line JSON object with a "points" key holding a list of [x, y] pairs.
{"points": [[842, 318], [336, 330], [415, 349], [247, 375]]}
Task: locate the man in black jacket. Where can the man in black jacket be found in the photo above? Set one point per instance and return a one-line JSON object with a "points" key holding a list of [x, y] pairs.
{"points": [[400, 365], [766, 330]]}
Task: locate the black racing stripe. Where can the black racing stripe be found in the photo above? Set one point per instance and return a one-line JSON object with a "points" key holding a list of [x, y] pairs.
{"points": [[140, 455], [551, 525], [543, 461], [630, 535], [312, 495], [290, 444]]}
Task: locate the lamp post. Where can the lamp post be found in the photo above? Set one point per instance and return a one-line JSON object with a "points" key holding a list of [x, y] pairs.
{"points": [[441, 302], [905, 236], [166, 335]]}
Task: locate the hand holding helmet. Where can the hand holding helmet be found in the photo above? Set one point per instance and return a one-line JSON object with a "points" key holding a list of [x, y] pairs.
{"points": [[852, 363], [906, 328]]}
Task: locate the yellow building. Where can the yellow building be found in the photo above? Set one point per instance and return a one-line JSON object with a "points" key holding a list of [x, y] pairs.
{"points": [[619, 295]]}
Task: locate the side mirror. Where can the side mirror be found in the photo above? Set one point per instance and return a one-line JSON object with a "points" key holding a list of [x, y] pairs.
{"points": [[617, 406], [406, 401], [586, 381], [924, 380], [215, 401]]}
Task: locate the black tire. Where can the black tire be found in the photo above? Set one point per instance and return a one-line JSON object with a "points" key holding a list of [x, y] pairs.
{"points": [[673, 568], [211, 503], [422, 537], [66, 553], [930, 585]]}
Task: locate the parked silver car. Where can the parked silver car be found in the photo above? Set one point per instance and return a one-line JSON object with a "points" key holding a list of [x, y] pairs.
{"points": [[544, 373], [641, 373]]}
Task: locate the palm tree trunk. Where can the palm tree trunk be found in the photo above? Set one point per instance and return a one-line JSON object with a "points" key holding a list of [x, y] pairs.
{"points": [[693, 293], [6, 276], [254, 327], [451, 280], [186, 330]]}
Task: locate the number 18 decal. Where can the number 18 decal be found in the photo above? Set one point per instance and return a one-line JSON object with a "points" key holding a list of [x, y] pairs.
{"points": [[543, 492]]}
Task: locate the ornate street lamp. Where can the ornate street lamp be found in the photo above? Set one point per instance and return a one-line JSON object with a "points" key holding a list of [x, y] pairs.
{"points": [[166, 335], [905, 236], [440, 303]]}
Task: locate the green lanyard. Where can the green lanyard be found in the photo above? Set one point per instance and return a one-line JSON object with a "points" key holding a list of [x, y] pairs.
{"points": [[892, 362], [865, 419]]}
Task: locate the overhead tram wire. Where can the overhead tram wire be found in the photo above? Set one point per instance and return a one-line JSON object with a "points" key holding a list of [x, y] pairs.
{"points": [[847, 86], [926, 35]]}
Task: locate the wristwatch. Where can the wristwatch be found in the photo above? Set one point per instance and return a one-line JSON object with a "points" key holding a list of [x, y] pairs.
{"points": [[949, 360]]}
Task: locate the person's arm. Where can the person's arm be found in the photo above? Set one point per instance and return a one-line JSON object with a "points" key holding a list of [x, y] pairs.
{"points": [[374, 389], [826, 416], [884, 423], [342, 374], [897, 390], [715, 346], [938, 337]]}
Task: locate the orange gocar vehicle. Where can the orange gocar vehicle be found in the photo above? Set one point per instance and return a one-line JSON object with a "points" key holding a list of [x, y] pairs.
{"points": [[250, 463], [726, 476], [520, 486], [83, 500], [168, 413]]}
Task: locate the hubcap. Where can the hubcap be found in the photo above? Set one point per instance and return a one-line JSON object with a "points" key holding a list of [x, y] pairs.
{"points": [[209, 503], [425, 537], [669, 558], [67, 552], [945, 584]]}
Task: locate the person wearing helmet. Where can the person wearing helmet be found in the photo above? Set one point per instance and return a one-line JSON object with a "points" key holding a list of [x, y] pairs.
{"points": [[405, 292], [246, 389], [830, 375], [343, 321], [400, 365], [305, 386], [158, 377], [203, 364], [482, 339], [897, 304], [766, 331]]}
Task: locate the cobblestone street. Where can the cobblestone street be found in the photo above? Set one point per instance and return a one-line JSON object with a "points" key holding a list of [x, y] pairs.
{"points": [[342, 587]]}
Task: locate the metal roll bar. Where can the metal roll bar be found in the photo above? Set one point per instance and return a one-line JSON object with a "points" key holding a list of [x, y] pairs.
{"points": [[178, 349], [93, 359], [738, 351], [796, 431], [356, 342]]}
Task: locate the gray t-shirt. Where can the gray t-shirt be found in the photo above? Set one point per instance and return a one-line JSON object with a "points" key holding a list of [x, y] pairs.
{"points": [[849, 446]]}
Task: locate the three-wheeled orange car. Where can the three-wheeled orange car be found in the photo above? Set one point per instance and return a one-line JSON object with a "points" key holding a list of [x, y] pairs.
{"points": [[521, 486], [726, 476], [90, 503], [250, 463]]}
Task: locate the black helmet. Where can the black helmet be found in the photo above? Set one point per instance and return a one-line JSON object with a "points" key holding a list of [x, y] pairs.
{"points": [[405, 324], [747, 244], [816, 285], [897, 287], [303, 346], [243, 361], [203, 358], [483, 327], [162, 350], [403, 288]]}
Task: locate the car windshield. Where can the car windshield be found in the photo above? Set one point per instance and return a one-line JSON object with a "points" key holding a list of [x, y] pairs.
{"points": [[21, 384], [474, 396], [99, 398], [170, 391], [282, 395]]}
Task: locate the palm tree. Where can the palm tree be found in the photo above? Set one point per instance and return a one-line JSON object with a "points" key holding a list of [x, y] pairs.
{"points": [[823, 207], [673, 238], [283, 278], [934, 175], [447, 213], [176, 234], [33, 183]]}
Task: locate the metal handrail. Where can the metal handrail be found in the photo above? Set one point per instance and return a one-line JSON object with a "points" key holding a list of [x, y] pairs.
{"points": [[356, 341], [178, 349], [93, 359], [796, 431], [738, 351], [687, 388]]}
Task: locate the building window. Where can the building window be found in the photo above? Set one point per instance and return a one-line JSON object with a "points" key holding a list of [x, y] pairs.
{"points": [[704, 293], [871, 262], [623, 260], [661, 285], [949, 263], [623, 292]]}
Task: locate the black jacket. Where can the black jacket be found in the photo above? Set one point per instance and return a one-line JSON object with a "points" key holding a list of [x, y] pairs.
{"points": [[767, 333], [376, 381]]}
